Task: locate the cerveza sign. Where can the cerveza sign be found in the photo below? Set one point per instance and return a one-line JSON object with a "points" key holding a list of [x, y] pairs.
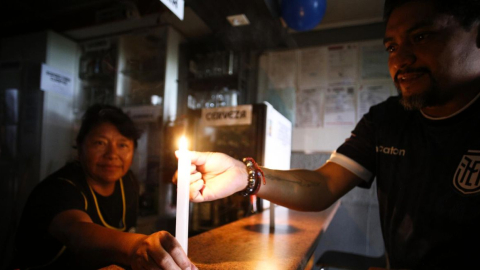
{"points": [[227, 116]]}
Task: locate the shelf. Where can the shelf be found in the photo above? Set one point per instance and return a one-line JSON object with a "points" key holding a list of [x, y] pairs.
{"points": [[210, 83]]}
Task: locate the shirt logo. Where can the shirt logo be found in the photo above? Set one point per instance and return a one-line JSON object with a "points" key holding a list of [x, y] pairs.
{"points": [[390, 150], [467, 176]]}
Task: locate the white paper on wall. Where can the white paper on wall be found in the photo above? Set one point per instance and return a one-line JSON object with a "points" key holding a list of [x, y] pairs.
{"points": [[312, 67], [176, 6], [374, 62], [331, 86], [339, 106], [56, 80], [342, 64], [309, 108], [372, 94]]}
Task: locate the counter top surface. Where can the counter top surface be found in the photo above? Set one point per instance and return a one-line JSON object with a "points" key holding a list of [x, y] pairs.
{"points": [[249, 243]]}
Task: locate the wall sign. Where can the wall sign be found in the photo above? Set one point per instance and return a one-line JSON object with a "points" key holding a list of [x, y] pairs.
{"points": [[54, 80], [227, 116], [176, 6]]}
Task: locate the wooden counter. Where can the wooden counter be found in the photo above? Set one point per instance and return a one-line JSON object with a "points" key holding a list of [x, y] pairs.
{"points": [[249, 244]]}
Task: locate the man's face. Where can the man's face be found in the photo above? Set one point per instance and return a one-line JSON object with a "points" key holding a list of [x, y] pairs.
{"points": [[431, 57], [106, 154]]}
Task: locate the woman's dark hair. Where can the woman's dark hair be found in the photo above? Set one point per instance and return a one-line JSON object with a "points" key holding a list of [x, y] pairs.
{"points": [[466, 12], [100, 113]]}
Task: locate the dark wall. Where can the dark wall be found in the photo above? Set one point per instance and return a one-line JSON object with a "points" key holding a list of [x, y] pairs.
{"points": [[339, 35]]}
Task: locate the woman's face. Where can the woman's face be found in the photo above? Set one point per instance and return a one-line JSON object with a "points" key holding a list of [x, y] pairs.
{"points": [[106, 154]]}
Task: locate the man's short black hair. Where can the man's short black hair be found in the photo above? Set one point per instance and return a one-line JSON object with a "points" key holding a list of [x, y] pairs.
{"points": [[101, 113], [466, 12]]}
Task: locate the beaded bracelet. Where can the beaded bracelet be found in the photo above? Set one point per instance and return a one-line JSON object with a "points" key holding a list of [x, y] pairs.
{"points": [[254, 175]]}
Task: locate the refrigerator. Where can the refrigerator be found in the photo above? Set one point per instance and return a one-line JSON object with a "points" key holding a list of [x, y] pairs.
{"points": [[36, 135], [252, 130]]}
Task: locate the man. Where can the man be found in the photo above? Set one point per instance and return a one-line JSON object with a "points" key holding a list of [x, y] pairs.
{"points": [[422, 147]]}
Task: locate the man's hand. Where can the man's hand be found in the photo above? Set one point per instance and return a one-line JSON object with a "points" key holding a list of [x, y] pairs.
{"points": [[215, 176]]}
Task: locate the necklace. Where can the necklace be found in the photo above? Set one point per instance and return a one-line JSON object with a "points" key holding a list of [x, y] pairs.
{"points": [[100, 213]]}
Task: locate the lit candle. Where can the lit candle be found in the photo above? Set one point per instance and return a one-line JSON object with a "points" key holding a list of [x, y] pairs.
{"points": [[183, 183], [272, 216]]}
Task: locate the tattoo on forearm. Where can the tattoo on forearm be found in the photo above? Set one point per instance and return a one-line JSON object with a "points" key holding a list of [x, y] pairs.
{"points": [[294, 179]]}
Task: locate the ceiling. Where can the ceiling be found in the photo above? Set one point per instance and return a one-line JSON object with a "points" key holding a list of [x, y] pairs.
{"points": [[204, 19]]}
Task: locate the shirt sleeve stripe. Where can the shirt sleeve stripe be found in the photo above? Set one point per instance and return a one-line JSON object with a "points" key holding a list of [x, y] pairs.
{"points": [[351, 165]]}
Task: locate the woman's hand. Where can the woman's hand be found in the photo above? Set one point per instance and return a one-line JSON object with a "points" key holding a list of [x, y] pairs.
{"points": [[159, 251], [96, 246], [215, 176]]}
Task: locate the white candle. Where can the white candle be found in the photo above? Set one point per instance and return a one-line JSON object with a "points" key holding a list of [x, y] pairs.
{"points": [[272, 216], [183, 183]]}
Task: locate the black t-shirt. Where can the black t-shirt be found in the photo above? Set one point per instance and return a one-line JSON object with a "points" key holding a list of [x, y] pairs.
{"points": [[64, 190], [428, 182]]}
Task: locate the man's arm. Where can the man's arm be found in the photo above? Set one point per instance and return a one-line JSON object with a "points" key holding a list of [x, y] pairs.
{"points": [[216, 175], [98, 246], [307, 190]]}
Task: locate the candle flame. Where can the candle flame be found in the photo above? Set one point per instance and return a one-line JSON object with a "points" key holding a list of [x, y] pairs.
{"points": [[183, 143]]}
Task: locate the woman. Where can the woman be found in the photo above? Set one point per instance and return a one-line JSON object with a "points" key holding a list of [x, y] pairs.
{"points": [[84, 215]]}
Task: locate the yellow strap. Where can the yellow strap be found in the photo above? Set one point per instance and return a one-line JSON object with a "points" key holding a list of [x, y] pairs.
{"points": [[100, 213]]}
